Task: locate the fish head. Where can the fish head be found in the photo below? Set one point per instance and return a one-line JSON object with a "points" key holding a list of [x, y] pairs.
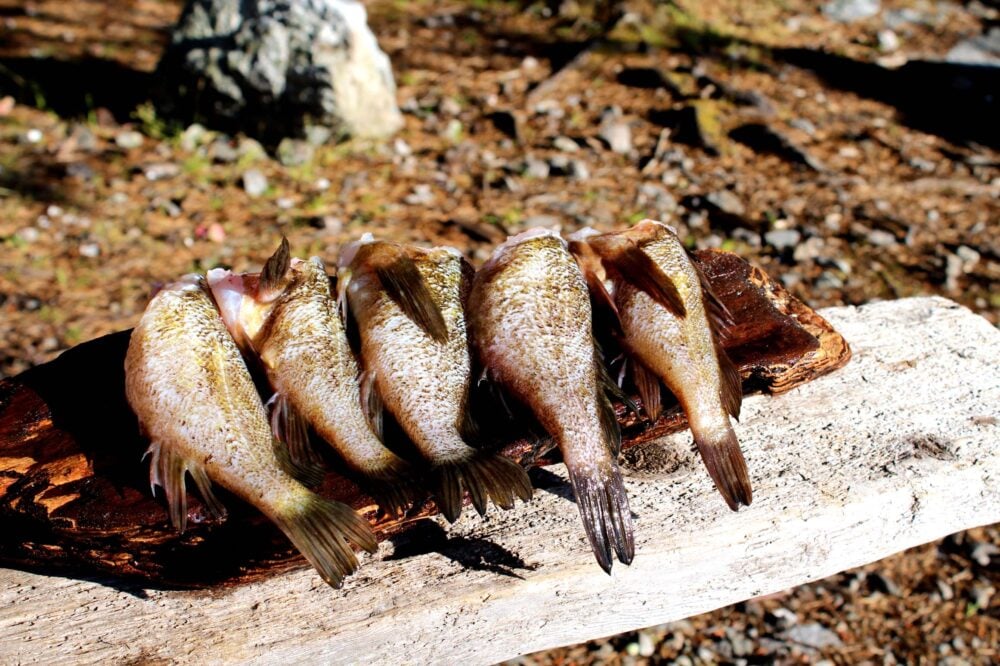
{"points": [[235, 296], [527, 241]]}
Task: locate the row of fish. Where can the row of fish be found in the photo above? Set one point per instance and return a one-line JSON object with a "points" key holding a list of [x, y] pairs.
{"points": [[429, 329]]}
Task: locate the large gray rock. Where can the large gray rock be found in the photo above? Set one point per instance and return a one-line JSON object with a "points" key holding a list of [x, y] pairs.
{"points": [[273, 67]]}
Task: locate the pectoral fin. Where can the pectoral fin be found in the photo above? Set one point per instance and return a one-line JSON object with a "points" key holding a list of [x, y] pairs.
{"points": [[291, 429], [371, 402], [406, 287], [720, 318], [624, 258], [167, 470], [650, 389]]}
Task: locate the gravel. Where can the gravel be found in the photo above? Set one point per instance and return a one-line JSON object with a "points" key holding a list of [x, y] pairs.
{"points": [[254, 182]]}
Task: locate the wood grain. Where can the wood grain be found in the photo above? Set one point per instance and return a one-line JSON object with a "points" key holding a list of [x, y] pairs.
{"points": [[896, 449], [75, 496]]}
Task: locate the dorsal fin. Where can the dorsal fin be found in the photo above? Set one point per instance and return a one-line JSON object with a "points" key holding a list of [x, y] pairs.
{"points": [[274, 270], [406, 287], [605, 309], [626, 259]]}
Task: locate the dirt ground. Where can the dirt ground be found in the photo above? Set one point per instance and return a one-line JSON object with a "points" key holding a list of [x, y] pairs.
{"points": [[852, 160]]}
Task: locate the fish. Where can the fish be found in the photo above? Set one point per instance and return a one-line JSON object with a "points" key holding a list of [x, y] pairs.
{"points": [[196, 402], [530, 324], [672, 326], [409, 305], [287, 318]]}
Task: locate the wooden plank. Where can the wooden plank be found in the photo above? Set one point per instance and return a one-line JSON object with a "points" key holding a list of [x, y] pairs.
{"points": [[896, 449]]}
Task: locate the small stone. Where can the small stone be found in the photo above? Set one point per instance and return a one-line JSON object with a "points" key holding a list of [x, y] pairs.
{"points": [[803, 125], [295, 152], [454, 130], [129, 140], [536, 168], [401, 148], [646, 645], [969, 256], [848, 11], [54, 211], [980, 50], [450, 106], [881, 238], [809, 249], [828, 280], [216, 233], [161, 171], [618, 135], [812, 635], [33, 135], [317, 135], [223, 151], [192, 137], [333, 224], [90, 250], [981, 594], [888, 40], [566, 144], [285, 203], [726, 202], [578, 170], [254, 183], [29, 234], [421, 196], [322, 184], [983, 552], [782, 239], [249, 149], [79, 171]]}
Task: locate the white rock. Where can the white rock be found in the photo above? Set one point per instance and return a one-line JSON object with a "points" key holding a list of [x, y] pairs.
{"points": [[254, 182]]}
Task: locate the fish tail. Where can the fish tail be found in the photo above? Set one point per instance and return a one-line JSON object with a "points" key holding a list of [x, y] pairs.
{"points": [[722, 456], [487, 476], [324, 532], [604, 509], [391, 486]]}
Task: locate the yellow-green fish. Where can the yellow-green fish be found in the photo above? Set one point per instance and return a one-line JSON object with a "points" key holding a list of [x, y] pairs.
{"points": [[530, 324], [288, 319], [195, 400], [670, 321], [409, 304]]}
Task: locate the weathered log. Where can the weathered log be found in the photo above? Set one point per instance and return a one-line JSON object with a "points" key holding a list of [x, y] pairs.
{"points": [[74, 493], [897, 449]]}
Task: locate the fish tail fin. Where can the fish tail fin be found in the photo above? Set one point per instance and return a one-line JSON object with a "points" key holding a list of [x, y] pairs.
{"points": [[391, 486], [604, 509], [725, 463], [324, 531], [487, 476]]}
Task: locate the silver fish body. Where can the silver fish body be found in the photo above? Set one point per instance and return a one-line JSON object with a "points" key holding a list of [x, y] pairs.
{"points": [[194, 398], [300, 340], [670, 322], [410, 307], [530, 324]]}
